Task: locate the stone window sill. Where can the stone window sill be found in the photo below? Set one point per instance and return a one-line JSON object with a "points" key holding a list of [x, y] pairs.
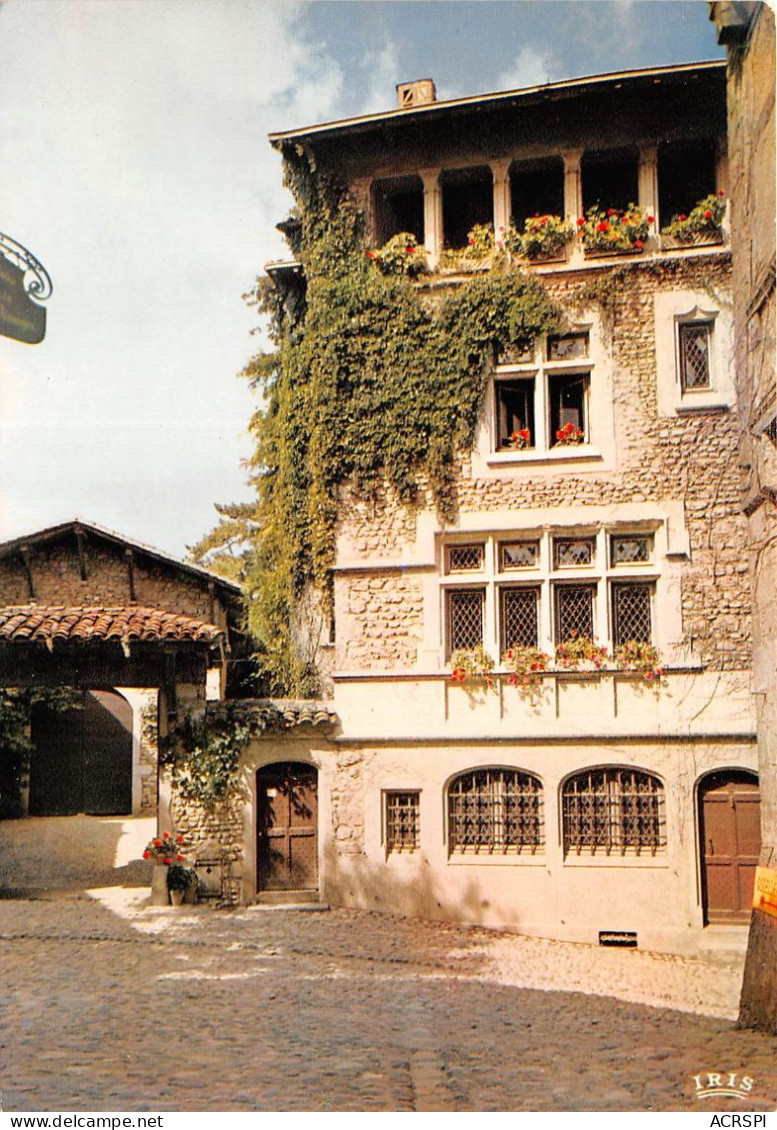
{"points": [[555, 455]]}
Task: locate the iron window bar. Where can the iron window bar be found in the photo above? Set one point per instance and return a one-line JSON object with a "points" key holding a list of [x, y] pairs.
{"points": [[495, 812], [613, 811]]}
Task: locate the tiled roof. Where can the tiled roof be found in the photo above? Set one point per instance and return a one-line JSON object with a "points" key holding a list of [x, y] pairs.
{"points": [[272, 713], [31, 623]]}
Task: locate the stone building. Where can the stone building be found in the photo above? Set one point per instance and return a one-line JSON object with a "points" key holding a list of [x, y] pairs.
{"points": [[747, 30], [138, 638], [601, 501]]}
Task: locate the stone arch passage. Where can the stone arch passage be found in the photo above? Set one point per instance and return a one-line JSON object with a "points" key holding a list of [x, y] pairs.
{"points": [[82, 757]]}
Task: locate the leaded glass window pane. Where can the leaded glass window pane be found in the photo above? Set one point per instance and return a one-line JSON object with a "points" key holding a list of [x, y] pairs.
{"points": [[464, 558], [519, 617], [465, 618], [519, 555], [631, 612], [570, 552], [628, 548], [694, 340], [574, 612]]}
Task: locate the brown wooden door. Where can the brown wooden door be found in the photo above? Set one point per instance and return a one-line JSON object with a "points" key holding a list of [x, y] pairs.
{"points": [[730, 837], [287, 827], [82, 757]]}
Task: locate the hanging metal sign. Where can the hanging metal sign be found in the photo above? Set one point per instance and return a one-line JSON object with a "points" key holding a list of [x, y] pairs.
{"points": [[765, 892], [24, 283]]}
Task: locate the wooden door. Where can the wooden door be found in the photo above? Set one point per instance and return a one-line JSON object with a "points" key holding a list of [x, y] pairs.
{"points": [[730, 839], [287, 827], [82, 757]]}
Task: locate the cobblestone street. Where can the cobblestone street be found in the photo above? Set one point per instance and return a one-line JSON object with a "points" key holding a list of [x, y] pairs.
{"points": [[108, 1005]]}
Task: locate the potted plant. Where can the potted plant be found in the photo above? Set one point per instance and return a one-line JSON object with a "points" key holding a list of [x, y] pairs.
{"points": [[569, 436], [480, 249], [472, 663], [702, 224], [400, 255], [518, 441], [544, 238], [579, 651], [636, 655], [526, 666], [614, 231], [163, 851], [180, 880]]}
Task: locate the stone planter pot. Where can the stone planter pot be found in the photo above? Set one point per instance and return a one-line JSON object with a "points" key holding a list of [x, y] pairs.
{"points": [[159, 894]]}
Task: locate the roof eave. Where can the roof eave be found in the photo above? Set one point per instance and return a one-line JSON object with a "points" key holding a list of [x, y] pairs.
{"points": [[565, 87]]}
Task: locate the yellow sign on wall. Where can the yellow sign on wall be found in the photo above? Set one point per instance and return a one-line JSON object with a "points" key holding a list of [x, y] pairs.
{"points": [[765, 890]]}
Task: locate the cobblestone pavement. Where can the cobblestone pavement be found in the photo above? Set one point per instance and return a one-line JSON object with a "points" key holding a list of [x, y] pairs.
{"points": [[103, 1007]]}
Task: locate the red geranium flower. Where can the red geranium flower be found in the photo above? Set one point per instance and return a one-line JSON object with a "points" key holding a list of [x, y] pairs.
{"points": [[370, 254], [471, 241], [638, 243], [179, 856], [525, 434], [580, 221], [708, 215], [650, 219], [603, 226], [146, 854], [409, 250], [157, 843], [168, 860], [610, 211], [682, 217], [721, 192], [166, 835]]}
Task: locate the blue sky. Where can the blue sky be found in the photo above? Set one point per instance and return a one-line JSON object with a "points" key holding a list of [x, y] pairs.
{"points": [[136, 168]]}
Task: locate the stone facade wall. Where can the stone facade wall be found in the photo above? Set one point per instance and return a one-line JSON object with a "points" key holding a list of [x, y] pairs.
{"points": [[385, 621], [148, 755], [691, 457], [752, 132], [347, 804], [56, 575], [213, 834]]}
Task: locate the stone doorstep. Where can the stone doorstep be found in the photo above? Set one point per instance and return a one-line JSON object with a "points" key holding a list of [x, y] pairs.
{"points": [[722, 944], [288, 900]]}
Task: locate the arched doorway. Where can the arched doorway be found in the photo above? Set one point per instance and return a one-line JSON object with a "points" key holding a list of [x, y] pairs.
{"points": [[287, 827], [730, 842], [82, 757]]}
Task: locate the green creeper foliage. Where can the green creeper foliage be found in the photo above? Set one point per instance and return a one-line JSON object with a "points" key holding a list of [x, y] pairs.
{"points": [[372, 384]]}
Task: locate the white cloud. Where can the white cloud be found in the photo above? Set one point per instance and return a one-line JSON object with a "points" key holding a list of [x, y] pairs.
{"points": [[532, 67], [136, 166]]}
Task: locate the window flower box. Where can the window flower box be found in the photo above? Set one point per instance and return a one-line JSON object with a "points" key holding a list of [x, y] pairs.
{"points": [[703, 225], [543, 240], [614, 232]]}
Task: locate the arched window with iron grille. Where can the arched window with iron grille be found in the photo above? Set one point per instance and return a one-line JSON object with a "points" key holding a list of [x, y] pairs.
{"points": [[495, 812], [613, 811]]}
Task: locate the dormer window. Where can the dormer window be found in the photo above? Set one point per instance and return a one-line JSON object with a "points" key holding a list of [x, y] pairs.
{"points": [[467, 200]]}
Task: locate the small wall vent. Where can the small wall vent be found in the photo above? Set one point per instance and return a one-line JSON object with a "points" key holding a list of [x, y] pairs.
{"points": [[418, 93], [623, 938]]}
